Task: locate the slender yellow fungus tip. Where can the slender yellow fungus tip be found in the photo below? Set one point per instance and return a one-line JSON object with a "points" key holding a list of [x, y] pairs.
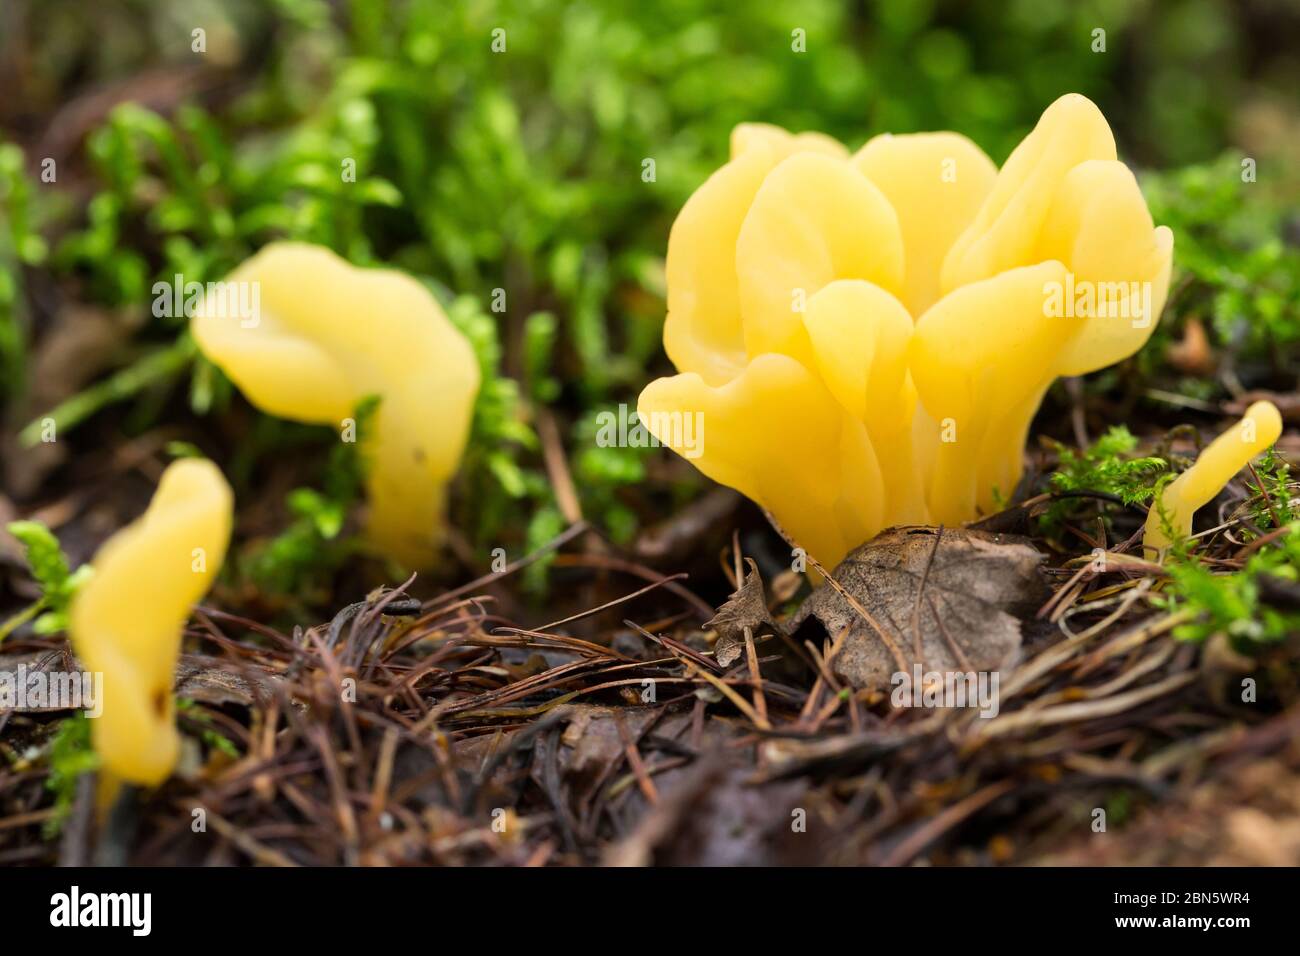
{"points": [[1217, 465], [126, 621]]}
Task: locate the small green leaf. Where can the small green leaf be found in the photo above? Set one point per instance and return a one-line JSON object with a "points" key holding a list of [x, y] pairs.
{"points": [[44, 557]]}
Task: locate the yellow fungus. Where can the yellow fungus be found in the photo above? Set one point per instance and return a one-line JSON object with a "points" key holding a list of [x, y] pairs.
{"points": [[126, 621], [1217, 465], [326, 336], [865, 339]]}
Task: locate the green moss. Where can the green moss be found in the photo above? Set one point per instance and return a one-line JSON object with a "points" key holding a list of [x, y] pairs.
{"points": [[1237, 603], [1108, 467]]}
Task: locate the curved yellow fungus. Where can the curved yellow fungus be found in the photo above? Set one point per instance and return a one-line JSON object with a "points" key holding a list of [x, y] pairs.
{"points": [[327, 335], [868, 337], [1217, 465], [126, 620]]}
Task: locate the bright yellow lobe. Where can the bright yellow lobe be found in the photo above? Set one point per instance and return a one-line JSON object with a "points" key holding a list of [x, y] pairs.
{"points": [[329, 335]]}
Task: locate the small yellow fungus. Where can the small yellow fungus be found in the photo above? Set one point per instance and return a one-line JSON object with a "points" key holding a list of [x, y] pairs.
{"points": [[126, 621], [327, 335], [865, 339], [1217, 465]]}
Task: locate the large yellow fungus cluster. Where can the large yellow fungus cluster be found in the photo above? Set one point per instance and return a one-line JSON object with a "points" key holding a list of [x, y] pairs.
{"points": [[867, 337]]}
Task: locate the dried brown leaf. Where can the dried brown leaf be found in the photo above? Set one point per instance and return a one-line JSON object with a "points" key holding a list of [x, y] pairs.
{"points": [[746, 608], [971, 587]]}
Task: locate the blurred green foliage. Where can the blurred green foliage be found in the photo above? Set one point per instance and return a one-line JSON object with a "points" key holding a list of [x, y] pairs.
{"points": [[71, 755], [21, 245], [498, 150], [1234, 264], [302, 559]]}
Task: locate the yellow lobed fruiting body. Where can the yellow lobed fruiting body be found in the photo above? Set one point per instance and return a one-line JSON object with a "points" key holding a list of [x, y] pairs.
{"points": [[868, 337], [126, 621], [1217, 465], [328, 335]]}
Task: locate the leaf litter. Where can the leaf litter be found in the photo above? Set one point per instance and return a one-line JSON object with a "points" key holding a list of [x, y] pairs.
{"points": [[444, 730]]}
